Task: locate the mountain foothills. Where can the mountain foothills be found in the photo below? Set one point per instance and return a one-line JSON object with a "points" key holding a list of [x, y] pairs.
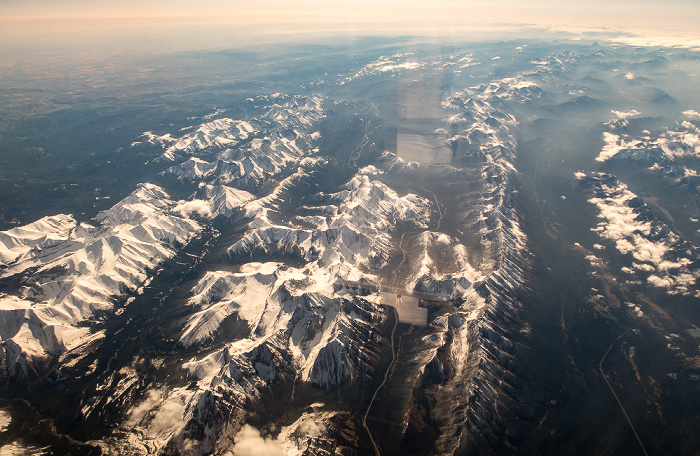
{"points": [[490, 250]]}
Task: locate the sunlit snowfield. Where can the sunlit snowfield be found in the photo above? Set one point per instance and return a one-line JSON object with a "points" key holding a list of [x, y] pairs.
{"points": [[207, 251]]}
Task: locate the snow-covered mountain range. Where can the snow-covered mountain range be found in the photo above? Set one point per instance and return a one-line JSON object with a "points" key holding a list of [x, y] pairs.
{"points": [[388, 259], [68, 273]]}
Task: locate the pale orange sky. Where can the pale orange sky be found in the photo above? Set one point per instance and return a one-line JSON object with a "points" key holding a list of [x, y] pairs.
{"points": [[213, 23], [379, 15]]}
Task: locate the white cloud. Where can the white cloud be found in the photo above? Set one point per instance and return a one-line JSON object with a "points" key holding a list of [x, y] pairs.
{"points": [[673, 41], [610, 148], [619, 220], [633, 233], [370, 170], [163, 411], [643, 267], [614, 144], [168, 416], [200, 207], [635, 309], [249, 442], [649, 251], [443, 239], [137, 413], [629, 76], [691, 113], [625, 114], [310, 427], [679, 142], [660, 282]]}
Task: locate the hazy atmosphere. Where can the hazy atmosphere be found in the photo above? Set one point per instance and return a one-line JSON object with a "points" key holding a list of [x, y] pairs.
{"points": [[349, 228], [443, 18]]}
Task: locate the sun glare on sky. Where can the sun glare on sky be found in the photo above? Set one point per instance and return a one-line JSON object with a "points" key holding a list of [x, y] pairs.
{"points": [[360, 16], [42, 29]]}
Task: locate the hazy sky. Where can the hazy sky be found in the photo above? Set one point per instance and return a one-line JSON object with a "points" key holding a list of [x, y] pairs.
{"points": [[404, 15], [214, 23]]}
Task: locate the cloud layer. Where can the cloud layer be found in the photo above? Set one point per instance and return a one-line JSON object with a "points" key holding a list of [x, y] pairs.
{"points": [[657, 252], [249, 442]]}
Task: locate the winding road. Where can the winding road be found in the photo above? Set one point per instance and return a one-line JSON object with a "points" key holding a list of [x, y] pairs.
{"points": [[394, 352], [364, 141], [600, 367], [394, 355]]}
